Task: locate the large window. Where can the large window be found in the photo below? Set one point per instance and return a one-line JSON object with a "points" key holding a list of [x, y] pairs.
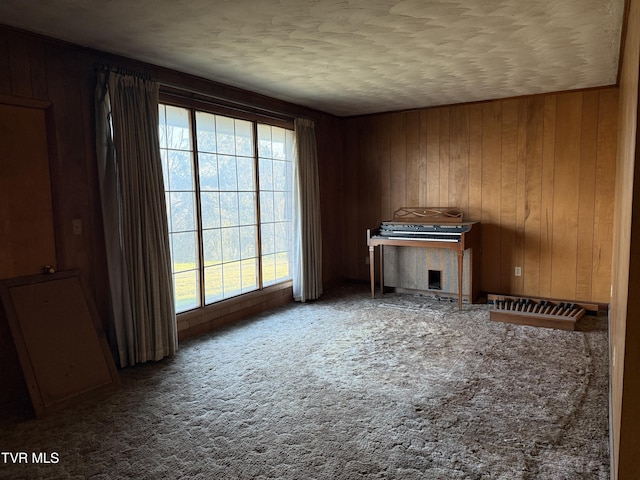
{"points": [[228, 184]]}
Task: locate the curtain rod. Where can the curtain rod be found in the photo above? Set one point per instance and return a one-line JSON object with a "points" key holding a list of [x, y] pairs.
{"points": [[102, 67], [212, 99], [176, 90]]}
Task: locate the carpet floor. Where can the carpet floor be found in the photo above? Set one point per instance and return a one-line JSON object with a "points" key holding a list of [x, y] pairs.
{"points": [[400, 387]]}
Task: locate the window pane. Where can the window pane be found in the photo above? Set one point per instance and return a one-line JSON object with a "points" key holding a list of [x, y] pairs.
{"points": [[211, 247], [278, 143], [180, 171], [266, 206], [229, 209], [247, 203], [205, 124], [264, 141], [231, 274], [183, 211], [208, 169], [246, 180], [178, 132], [162, 131], [268, 269], [282, 236], [289, 137], [210, 206], [227, 174], [165, 170], [268, 238], [186, 288], [184, 251], [279, 175], [167, 201], [248, 239], [249, 270], [213, 284], [230, 244], [280, 207], [283, 270], [225, 135], [244, 138], [266, 174]]}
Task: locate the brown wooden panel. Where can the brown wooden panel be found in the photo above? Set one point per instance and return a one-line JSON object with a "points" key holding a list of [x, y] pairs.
{"points": [[38, 69], [5, 64], [625, 311], [386, 212], [508, 194], [433, 158], [475, 162], [546, 210], [350, 208], [519, 241], [566, 195], [26, 211], [70, 83], [533, 196], [59, 339], [444, 158], [604, 195], [586, 186], [368, 166], [459, 158], [412, 125], [20, 65], [422, 161], [398, 161], [491, 182]]}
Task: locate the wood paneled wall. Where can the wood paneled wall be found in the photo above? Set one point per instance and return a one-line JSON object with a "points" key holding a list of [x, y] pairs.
{"points": [[624, 329], [537, 171], [37, 68]]}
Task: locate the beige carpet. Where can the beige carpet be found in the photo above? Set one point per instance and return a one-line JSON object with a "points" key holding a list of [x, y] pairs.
{"points": [[402, 387]]}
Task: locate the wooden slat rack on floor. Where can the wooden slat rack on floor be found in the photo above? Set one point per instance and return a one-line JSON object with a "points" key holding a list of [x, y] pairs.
{"points": [[538, 312]]}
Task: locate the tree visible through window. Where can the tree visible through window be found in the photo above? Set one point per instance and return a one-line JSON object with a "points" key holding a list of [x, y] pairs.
{"points": [[228, 186]]}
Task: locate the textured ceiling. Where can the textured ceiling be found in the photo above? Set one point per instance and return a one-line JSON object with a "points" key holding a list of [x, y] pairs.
{"points": [[350, 57]]}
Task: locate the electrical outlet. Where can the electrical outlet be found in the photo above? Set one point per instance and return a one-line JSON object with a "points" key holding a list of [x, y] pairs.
{"points": [[366, 261], [518, 271]]}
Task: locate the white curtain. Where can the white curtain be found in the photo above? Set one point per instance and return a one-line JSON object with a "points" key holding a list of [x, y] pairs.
{"points": [[135, 220], [307, 264]]}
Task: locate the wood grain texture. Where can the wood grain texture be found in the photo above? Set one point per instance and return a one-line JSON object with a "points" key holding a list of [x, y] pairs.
{"points": [[475, 162], [27, 232], [587, 186], [548, 162], [533, 195], [459, 158], [508, 194], [491, 193], [412, 125], [432, 178], [566, 195], [519, 240], [605, 190], [527, 168], [444, 149], [624, 330], [5, 63]]}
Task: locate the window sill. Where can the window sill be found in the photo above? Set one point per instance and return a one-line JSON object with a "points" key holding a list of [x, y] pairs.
{"points": [[202, 320]]}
